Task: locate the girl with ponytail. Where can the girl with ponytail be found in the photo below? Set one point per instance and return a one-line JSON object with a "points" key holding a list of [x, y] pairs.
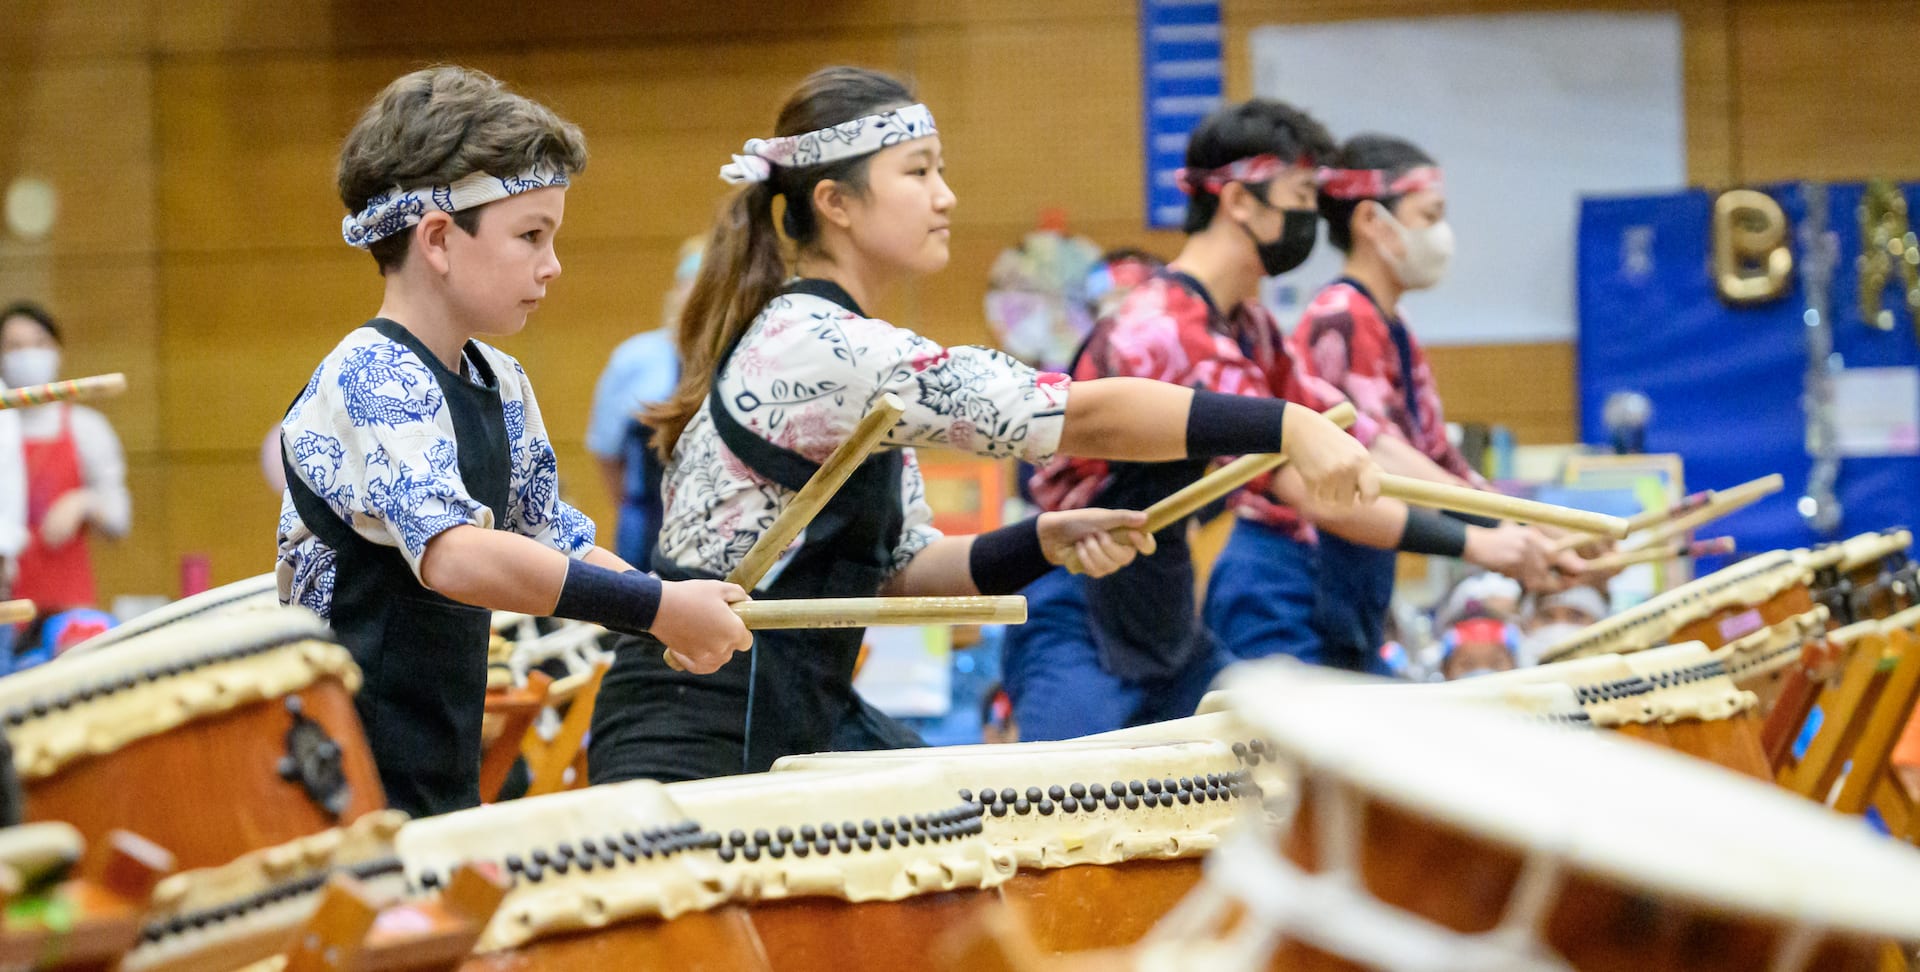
{"points": [[780, 363]]}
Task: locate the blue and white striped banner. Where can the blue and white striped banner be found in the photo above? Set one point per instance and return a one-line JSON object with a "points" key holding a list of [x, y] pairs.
{"points": [[1182, 80]]}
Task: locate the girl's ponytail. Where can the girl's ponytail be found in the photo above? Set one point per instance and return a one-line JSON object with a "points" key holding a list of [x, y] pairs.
{"points": [[745, 265], [742, 270]]}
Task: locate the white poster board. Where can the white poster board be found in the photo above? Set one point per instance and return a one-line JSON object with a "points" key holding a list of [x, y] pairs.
{"points": [[1526, 114]]}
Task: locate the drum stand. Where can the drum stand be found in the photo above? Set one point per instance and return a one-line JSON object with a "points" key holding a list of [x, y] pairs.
{"points": [[90, 921], [350, 932]]}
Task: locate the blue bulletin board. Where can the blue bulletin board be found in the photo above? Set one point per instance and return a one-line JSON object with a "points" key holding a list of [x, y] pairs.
{"points": [[1182, 80], [1726, 381]]}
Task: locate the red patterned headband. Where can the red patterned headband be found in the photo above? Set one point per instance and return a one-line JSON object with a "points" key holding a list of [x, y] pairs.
{"points": [[1478, 631], [1253, 171], [1378, 183]]}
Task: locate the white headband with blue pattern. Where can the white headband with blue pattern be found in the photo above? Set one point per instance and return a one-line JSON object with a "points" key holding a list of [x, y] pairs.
{"points": [[399, 210], [868, 133]]}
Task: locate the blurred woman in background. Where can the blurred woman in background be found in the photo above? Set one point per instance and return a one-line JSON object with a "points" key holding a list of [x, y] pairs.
{"points": [[76, 471]]}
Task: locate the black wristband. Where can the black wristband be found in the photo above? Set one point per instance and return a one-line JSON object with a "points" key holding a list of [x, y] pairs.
{"points": [[1472, 520], [1233, 425], [1428, 532], [624, 602], [1005, 560]]}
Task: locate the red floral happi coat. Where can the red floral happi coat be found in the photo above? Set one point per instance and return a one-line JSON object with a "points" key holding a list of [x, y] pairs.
{"points": [[1164, 330], [1345, 340]]}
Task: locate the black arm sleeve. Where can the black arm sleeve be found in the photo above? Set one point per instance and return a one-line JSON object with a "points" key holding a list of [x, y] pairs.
{"points": [[1428, 532], [1005, 560]]}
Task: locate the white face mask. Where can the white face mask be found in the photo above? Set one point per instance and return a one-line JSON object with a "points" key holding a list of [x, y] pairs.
{"points": [[30, 366], [1546, 636], [1476, 673], [1426, 251]]}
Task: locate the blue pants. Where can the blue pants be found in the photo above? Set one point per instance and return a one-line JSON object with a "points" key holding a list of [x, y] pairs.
{"points": [[1060, 690], [1268, 596], [1261, 595], [1356, 591]]}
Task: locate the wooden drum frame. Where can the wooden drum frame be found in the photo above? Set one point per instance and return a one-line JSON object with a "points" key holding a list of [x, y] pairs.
{"points": [[753, 872], [223, 918], [211, 738], [1438, 835], [1108, 836]]}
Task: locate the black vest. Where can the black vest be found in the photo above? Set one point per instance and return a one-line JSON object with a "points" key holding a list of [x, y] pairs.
{"points": [[1144, 619], [793, 693], [423, 656]]}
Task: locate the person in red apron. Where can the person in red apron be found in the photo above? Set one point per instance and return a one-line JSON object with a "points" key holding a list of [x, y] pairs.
{"points": [[13, 514], [76, 473], [13, 502], [56, 570]]}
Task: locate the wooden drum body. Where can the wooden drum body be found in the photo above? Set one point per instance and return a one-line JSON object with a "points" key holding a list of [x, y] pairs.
{"points": [[602, 878], [1108, 836], [1594, 922], [1681, 697], [848, 869], [1762, 608], [1867, 577], [211, 738], [1713, 610], [1437, 833], [721, 940], [764, 872], [1732, 623]]}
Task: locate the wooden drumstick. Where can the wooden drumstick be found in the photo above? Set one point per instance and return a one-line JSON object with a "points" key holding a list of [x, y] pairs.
{"points": [[73, 390], [864, 612], [1191, 497], [812, 497], [1462, 499], [1647, 518], [1649, 555], [1652, 518], [16, 612], [1724, 501]]}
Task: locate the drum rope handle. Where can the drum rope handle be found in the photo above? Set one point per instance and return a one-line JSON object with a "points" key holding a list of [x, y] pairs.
{"points": [[1333, 912], [1534, 893], [1338, 824], [1795, 950], [575, 643]]}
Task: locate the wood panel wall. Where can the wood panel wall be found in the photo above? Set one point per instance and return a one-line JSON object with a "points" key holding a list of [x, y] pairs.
{"points": [[192, 142]]}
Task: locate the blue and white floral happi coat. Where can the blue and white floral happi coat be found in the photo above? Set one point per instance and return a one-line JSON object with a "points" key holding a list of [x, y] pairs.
{"points": [[373, 437]]}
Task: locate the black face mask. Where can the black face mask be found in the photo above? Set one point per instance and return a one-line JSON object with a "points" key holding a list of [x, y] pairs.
{"points": [[1298, 231]]}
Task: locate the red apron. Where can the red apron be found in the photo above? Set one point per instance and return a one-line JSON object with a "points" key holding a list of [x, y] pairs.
{"points": [[55, 579]]}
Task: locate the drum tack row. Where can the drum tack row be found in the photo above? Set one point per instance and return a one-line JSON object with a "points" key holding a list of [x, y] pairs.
{"points": [[201, 798]]}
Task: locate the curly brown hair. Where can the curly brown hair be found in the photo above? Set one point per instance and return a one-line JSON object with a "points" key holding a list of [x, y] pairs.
{"points": [[438, 124]]}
